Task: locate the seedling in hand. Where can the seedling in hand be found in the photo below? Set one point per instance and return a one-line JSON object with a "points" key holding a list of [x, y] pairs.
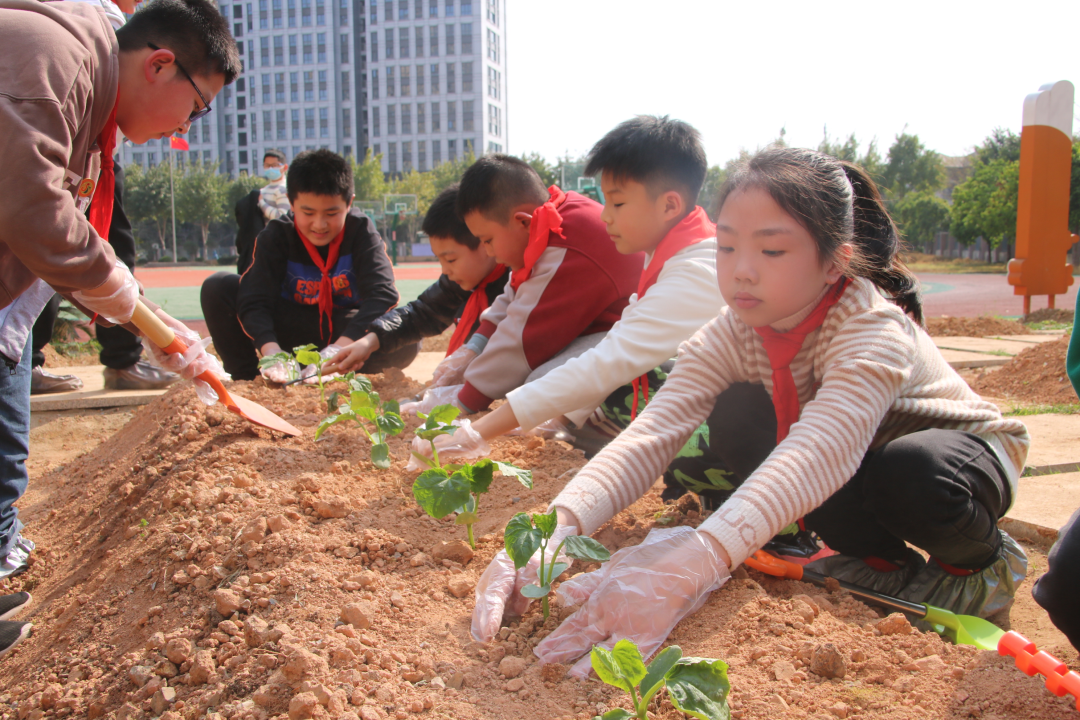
{"points": [[696, 686], [366, 405], [524, 534], [309, 355], [285, 358], [456, 488], [440, 421]]}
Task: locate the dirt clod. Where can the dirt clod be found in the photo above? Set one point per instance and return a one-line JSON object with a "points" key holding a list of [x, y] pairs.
{"points": [[894, 624], [455, 551], [828, 662]]}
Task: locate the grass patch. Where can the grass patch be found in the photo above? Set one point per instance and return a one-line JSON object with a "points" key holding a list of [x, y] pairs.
{"points": [[1063, 409], [925, 263], [1062, 327]]}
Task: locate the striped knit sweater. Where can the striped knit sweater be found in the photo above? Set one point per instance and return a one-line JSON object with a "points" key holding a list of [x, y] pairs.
{"points": [[868, 375]]}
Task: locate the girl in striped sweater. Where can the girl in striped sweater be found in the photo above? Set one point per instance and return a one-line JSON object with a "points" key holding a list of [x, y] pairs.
{"points": [[829, 404]]}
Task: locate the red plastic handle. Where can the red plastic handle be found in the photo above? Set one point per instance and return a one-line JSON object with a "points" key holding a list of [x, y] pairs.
{"points": [[1031, 660]]}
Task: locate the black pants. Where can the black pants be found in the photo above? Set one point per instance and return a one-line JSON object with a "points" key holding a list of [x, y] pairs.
{"points": [[119, 348], [237, 351], [1058, 591], [941, 490]]}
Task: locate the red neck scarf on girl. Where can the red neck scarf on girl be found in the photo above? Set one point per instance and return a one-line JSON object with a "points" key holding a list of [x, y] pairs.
{"points": [[476, 304], [101, 206], [782, 347], [691, 230], [545, 220], [326, 286]]}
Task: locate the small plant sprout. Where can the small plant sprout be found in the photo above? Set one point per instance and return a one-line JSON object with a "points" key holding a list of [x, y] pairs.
{"points": [[438, 422], [524, 534], [309, 355], [365, 405], [696, 686], [285, 358], [457, 488]]}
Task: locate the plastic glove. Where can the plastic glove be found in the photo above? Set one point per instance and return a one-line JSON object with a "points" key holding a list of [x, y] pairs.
{"points": [[464, 444], [641, 594], [115, 298], [281, 372], [499, 591], [310, 374], [353, 356], [192, 362], [433, 397], [451, 371], [547, 430]]}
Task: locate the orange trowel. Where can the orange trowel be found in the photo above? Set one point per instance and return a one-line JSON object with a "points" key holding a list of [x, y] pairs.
{"points": [[163, 336]]}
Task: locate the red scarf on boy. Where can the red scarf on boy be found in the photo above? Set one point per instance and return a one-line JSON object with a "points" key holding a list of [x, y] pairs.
{"points": [[326, 286], [782, 347], [101, 205], [691, 230], [545, 220], [476, 304]]}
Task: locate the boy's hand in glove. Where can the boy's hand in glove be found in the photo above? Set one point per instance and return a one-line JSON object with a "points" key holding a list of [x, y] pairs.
{"points": [[310, 374], [115, 298], [281, 372]]}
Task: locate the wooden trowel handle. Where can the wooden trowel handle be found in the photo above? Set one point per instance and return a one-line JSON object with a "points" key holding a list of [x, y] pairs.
{"points": [[156, 330]]}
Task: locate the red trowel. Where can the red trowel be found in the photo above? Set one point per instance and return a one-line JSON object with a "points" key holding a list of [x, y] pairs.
{"points": [[163, 336]]}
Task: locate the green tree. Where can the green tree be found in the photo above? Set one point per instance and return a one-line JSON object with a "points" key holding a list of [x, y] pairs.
{"points": [[446, 174], [911, 167], [985, 204], [714, 178], [201, 196], [848, 150], [1001, 145], [240, 187], [543, 168], [368, 178], [147, 196], [920, 216]]}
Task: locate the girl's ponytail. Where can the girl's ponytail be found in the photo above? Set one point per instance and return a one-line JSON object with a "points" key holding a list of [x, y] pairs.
{"points": [[878, 243]]}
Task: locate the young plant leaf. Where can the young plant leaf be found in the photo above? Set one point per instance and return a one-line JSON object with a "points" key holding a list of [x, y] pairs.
{"points": [[657, 672], [423, 459], [359, 383], [583, 547], [332, 401], [345, 415], [524, 476], [699, 688], [558, 569], [466, 518], [521, 539], [546, 523], [482, 473], [628, 660], [616, 714], [366, 412], [380, 455], [439, 493], [444, 414], [358, 399], [536, 592], [308, 357], [607, 669], [392, 406], [390, 422]]}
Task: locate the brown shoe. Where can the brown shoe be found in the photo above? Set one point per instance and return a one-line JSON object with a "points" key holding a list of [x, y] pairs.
{"points": [[140, 376], [42, 382]]}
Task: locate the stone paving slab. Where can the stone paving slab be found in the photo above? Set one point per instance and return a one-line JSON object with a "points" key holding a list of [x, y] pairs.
{"points": [[1044, 503], [92, 394], [961, 359], [1055, 439], [983, 345]]}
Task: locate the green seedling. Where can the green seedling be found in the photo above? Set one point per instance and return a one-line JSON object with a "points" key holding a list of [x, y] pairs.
{"points": [[365, 407], [457, 488], [283, 357], [696, 686], [309, 355], [524, 534], [440, 421]]}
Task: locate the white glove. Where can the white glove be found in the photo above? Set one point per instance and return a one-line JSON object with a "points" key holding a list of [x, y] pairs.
{"points": [[310, 374], [641, 593], [464, 444], [281, 372], [451, 371], [433, 397], [498, 592], [547, 430], [115, 298], [192, 362]]}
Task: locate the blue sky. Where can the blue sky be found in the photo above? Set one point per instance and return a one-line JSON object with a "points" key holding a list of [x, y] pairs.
{"points": [[949, 71]]}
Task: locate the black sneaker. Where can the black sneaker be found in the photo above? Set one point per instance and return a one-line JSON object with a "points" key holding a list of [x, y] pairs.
{"points": [[12, 605], [11, 634]]}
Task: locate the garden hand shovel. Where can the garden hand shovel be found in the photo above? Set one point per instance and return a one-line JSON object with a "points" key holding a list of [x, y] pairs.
{"points": [[963, 629], [163, 336]]}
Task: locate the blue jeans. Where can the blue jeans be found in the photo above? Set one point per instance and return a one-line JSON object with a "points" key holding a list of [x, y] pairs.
{"points": [[14, 443]]}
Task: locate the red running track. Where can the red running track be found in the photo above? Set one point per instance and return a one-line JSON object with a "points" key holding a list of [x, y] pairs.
{"points": [[980, 294], [193, 277]]}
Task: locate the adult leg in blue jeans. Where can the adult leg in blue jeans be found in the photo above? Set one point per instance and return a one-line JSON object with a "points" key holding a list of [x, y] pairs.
{"points": [[14, 448]]}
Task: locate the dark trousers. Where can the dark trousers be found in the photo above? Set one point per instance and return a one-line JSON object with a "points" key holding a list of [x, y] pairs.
{"points": [[14, 444], [119, 348], [1058, 591], [218, 298], [941, 490]]}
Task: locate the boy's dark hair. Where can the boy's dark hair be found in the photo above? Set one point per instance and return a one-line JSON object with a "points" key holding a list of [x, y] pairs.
{"points": [[193, 29], [495, 183], [658, 152], [443, 221], [320, 172], [276, 154]]}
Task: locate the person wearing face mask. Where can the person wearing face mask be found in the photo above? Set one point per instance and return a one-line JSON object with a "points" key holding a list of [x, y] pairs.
{"points": [[260, 206]]}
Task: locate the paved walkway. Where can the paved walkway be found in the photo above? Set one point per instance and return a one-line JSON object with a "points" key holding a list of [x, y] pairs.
{"points": [[977, 294]]}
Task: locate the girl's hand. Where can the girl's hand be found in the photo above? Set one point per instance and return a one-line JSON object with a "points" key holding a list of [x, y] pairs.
{"points": [[641, 594], [451, 371], [353, 356], [433, 397], [464, 444]]}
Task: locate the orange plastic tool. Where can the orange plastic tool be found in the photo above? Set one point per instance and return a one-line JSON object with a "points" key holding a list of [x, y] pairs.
{"points": [[163, 336]]}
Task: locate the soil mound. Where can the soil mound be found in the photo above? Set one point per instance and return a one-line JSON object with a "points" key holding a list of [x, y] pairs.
{"points": [[1035, 376], [983, 326], [438, 343], [194, 566], [1053, 314]]}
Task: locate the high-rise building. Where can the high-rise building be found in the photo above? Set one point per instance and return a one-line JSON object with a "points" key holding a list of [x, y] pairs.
{"points": [[419, 81]]}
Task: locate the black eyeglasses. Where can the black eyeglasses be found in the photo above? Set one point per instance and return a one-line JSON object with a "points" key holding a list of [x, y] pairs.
{"points": [[195, 114]]}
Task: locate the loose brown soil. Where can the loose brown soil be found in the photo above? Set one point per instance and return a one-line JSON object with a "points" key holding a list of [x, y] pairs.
{"points": [[1036, 376], [984, 326], [1054, 314], [438, 343], [194, 554]]}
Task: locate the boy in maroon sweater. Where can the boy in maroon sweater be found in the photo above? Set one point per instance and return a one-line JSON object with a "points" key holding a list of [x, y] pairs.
{"points": [[568, 281]]}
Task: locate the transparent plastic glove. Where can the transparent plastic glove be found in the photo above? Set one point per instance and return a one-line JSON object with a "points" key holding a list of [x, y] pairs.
{"points": [[310, 374], [451, 371], [546, 430], [281, 372], [641, 594], [115, 298], [499, 591], [433, 397], [192, 362], [464, 444]]}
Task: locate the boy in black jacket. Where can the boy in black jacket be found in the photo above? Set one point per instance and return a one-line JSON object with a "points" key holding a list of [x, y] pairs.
{"points": [[321, 275], [471, 280]]}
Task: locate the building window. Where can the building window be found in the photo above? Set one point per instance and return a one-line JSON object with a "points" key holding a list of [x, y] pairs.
{"points": [[403, 43], [449, 5], [277, 16], [305, 13], [292, 50], [308, 56], [292, 13], [449, 39], [264, 51], [241, 103], [242, 137], [346, 123], [451, 116], [389, 16], [493, 45], [466, 38], [451, 80], [374, 83], [238, 12], [376, 150], [309, 86], [494, 83], [390, 85], [433, 8], [137, 158], [391, 119], [320, 12], [264, 17], [451, 150], [322, 85], [392, 147], [468, 147], [374, 12], [406, 119], [320, 47], [374, 47], [343, 13], [433, 41], [294, 87], [406, 156], [421, 119], [466, 8], [403, 9], [376, 126], [228, 128], [309, 122], [434, 79], [279, 87], [466, 77], [421, 155], [345, 89], [406, 80], [279, 50], [238, 30], [295, 127], [493, 12], [324, 122], [389, 44], [467, 123], [282, 131], [344, 49], [419, 42], [266, 88], [494, 120], [419, 80]]}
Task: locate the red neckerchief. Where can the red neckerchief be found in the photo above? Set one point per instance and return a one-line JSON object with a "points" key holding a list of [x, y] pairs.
{"points": [[101, 206], [545, 220], [782, 347], [691, 230], [476, 304], [326, 286]]}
